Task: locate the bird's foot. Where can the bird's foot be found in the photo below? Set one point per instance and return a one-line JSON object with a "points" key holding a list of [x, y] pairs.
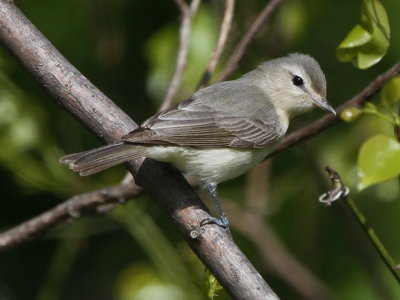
{"points": [[223, 221]]}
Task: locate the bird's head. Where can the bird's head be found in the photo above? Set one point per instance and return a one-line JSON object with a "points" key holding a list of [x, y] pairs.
{"points": [[295, 84]]}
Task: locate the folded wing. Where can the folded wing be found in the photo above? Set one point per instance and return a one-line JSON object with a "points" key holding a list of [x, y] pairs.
{"points": [[198, 125]]}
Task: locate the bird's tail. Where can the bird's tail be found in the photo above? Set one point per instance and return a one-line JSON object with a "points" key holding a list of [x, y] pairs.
{"points": [[99, 159]]}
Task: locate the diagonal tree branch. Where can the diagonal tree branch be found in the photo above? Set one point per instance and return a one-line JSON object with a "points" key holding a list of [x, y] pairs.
{"points": [[232, 63], [76, 207], [223, 37], [184, 37], [72, 91]]}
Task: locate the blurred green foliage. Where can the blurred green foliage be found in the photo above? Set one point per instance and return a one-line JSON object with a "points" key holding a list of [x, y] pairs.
{"points": [[127, 48], [163, 46]]}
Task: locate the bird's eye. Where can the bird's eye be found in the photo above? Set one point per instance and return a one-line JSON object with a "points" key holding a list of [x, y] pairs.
{"points": [[297, 80]]}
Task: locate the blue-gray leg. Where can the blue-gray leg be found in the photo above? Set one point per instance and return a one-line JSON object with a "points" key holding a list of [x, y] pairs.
{"points": [[222, 220]]}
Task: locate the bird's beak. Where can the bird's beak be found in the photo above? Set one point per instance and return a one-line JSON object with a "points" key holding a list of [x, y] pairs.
{"points": [[322, 103]]}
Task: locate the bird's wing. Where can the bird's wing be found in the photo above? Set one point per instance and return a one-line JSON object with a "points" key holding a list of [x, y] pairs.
{"points": [[201, 126]]}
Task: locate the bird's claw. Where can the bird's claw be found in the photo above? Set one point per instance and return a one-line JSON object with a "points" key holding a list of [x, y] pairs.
{"points": [[222, 222]]}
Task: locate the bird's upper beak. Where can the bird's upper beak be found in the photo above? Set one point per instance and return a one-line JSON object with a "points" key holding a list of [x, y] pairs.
{"points": [[322, 103]]}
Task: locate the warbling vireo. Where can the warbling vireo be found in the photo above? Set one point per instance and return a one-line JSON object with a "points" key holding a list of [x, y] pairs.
{"points": [[222, 130]]}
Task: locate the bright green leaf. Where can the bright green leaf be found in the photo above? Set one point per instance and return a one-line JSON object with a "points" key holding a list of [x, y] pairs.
{"points": [[378, 160], [390, 93], [368, 42]]}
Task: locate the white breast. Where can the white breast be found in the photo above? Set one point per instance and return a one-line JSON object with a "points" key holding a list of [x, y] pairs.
{"points": [[209, 165]]}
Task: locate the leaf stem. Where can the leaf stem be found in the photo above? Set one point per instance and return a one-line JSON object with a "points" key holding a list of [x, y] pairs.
{"points": [[373, 110], [340, 191], [384, 254]]}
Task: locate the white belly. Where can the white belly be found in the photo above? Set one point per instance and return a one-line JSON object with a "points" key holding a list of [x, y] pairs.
{"points": [[209, 164]]}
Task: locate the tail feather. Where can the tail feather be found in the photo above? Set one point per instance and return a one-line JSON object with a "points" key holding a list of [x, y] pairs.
{"points": [[99, 159]]}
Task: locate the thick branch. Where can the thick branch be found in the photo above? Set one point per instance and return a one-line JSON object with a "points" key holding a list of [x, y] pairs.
{"points": [[77, 95]]}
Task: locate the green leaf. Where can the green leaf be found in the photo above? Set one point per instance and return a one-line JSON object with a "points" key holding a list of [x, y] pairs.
{"points": [[390, 93], [368, 42], [378, 160]]}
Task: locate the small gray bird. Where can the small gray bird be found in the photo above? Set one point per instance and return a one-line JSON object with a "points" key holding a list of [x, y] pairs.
{"points": [[222, 130]]}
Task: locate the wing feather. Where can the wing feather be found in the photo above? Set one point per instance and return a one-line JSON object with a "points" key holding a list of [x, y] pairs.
{"points": [[203, 127], [221, 121]]}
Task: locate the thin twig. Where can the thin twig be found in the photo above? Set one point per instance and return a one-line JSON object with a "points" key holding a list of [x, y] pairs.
{"points": [[223, 37], [337, 184], [240, 49], [78, 206], [370, 232], [184, 38], [328, 120]]}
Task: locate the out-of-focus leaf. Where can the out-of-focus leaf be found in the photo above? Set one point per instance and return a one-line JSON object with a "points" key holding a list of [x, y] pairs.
{"points": [[368, 42], [378, 160], [27, 149], [370, 107], [389, 115], [390, 93], [141, 282], [350, 114], [292, 20], [151, 238]]}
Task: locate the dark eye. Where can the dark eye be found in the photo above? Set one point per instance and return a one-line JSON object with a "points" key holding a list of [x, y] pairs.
{"points": [[297, 80]]}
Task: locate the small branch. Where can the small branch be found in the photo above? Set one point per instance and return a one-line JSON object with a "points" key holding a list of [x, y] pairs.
{"points": [[337, 184], [240, 49], [78, 206], [328, 120], [370, 232], [223, 36], [184, 38]]}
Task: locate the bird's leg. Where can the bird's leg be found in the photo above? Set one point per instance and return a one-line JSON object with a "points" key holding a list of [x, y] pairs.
{"points": [[222, 220]]}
